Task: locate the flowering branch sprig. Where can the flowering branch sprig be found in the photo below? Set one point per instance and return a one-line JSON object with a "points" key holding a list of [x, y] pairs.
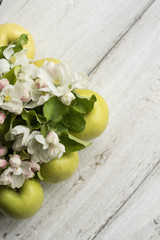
{"points": [[39, 108]]}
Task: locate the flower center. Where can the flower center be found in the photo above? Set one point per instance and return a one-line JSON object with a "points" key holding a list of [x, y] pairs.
{"points": [[57, 82], [7, 98], [13, 59]]}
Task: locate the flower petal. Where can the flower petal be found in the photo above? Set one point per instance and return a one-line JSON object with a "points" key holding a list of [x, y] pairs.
{"points": [[8, 52], [17, 181], [4, 66]]}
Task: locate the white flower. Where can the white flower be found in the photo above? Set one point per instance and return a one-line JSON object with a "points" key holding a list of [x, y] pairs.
{"points": [[26, 95], [56, 76], [15, 161], [67, 98], [40, 83], [44, 149], [5, 178], [37, 146], [3, 82], [18, 58], [39, 97], [20, 134], [30, 70], [34, 166], [79, 80], [16, 173], [10, 98], [56, 149], [52, 138], [4, 66]]}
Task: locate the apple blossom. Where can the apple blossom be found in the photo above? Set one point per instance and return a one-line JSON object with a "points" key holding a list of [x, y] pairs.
{"points": [[3, 163], [79, 80], [20, 134], [26, 95], [34, 166], [37, 146], [40, 83], [5, 178], [57, 78], [2, 117], [15, 161], [16, 173], [10, 98], [3, 151], [52, 138], [67, 98], [3, 82], [4, 66], [56, 149], [18, 58]]}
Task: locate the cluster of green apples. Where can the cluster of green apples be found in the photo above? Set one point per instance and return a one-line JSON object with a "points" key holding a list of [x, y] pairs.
{"points": [[27, 200]]}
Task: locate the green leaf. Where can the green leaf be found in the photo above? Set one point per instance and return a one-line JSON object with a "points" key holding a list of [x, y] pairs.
{"points": [[12, 74], [31, 118], [18, 121], [82, 104], [54, 110], [74, 121], [41, 118], [72, 143], [1, 51], [7, 125], [59, 128], [44, 130], [4, 142], [24, 155], [23, 39]]}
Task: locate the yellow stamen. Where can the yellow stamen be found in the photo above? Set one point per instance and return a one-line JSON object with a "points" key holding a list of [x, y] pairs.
{"points": [[13, 59], [57, 82], [7, 98]]}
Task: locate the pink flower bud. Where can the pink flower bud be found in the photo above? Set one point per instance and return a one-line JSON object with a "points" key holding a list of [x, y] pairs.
{"points": [[3, 163], [15, 161], [3, 82], [52, 138], [2, 117], [26, 96], [40, 83], [34, 166], [3, 151]]}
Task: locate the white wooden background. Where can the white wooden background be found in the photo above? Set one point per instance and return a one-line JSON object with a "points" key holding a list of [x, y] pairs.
{"points": [[115, 193]]}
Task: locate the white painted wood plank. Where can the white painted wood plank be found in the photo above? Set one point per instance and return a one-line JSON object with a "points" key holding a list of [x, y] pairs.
{"points": [[117, 162], [77, 32], [139, 219], [77, 208]]}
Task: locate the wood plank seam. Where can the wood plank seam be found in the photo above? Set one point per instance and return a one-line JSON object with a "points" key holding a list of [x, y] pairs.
{"points": [[135, 190], [121, 38]]}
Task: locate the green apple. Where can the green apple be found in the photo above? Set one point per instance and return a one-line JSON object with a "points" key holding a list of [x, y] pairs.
{"points": [[96, 120], [10, 32], [40, 62], [61, 169], [24, 202]]}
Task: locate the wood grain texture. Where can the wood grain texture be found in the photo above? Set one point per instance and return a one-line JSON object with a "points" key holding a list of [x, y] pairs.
{"points": [[114, 166], [140, 218], [77, 32]]}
